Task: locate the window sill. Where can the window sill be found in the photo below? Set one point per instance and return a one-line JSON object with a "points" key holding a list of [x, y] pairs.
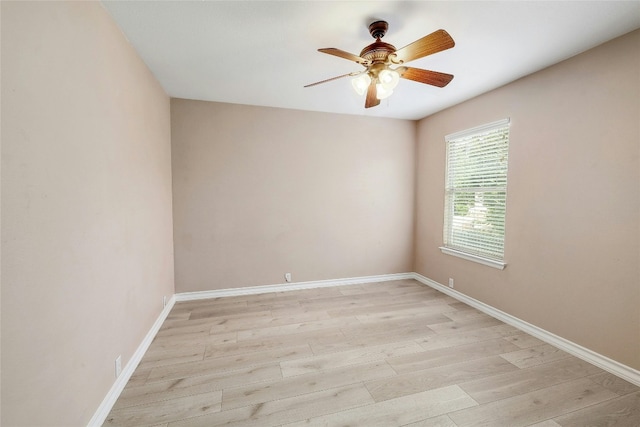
{"points": [[475, 258]]}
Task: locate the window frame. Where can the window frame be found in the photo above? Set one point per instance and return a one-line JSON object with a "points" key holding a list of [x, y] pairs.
{"points": [[473, 254]]}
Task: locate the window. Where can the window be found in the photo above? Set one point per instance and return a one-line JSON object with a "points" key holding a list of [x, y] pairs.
{"points": [[476, 193]]}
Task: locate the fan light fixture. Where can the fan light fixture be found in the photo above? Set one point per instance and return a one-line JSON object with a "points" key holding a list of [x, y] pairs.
{"points": [[388, 79], [361, 83], [382, 92]]}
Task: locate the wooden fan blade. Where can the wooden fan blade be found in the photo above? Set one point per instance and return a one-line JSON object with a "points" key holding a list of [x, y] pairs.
{"points": [[346, 55], [372, 95], [434, 78], [334, 78], [435, 42]]}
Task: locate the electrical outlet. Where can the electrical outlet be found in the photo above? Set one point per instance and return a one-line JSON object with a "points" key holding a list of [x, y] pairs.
{"points": [[118, 366], [287, 277], [164, 301], [450, 282]]}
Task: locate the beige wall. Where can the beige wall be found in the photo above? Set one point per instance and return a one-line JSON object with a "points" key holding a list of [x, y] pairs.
{"points": [[86, 208], [573, 229], [258, 192]]}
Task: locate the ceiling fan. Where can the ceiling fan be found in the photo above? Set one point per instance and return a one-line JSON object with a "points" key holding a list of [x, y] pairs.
{"points": [[378, 79]]}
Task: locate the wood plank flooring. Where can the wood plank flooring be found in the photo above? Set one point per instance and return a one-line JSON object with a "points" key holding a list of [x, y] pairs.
{"points": [[383, 354]]}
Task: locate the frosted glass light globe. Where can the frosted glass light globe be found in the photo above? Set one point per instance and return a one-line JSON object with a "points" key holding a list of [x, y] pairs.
{"points": [[361, 83]]}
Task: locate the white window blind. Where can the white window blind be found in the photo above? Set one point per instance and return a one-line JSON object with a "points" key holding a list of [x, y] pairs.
{"points": [[476, 191]]}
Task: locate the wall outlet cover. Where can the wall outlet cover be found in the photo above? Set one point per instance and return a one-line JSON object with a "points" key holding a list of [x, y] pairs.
{"points": [[118, 366]]}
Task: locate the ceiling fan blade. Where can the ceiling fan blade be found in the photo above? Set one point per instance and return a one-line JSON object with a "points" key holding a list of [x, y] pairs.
{"points": [[334, 78], [433, 43], [434, 78], [372, 95], [346, 55]]}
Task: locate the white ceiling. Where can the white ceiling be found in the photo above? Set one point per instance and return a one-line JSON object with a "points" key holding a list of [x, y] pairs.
{"points": [[264, 52]]}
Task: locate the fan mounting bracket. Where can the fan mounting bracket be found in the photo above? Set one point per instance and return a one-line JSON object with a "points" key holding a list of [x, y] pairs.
{"points": [[378, 29]]}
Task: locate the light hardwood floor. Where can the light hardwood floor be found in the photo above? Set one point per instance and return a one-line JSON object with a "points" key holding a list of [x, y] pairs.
{"points": [[384, 354]]}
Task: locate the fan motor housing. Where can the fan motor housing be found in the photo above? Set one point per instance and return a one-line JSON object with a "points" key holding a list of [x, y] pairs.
{"points": [[378, 51]]}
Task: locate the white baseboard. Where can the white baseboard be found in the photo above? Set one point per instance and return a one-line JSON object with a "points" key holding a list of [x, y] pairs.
{"points": [[103, 410], [616, 368], [296, 286], [623, 371]]}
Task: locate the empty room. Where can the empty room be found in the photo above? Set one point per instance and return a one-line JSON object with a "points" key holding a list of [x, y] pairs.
{"points": [[320, 213]]}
